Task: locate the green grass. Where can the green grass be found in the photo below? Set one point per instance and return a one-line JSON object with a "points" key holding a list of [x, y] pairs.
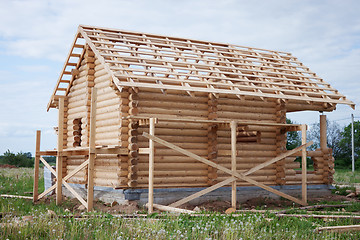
{"points": [[343, 176], [157, 226]]}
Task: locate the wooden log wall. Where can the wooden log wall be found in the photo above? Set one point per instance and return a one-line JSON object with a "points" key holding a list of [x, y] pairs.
{"points": [[250, 153], [172, 169], [109, 169]]}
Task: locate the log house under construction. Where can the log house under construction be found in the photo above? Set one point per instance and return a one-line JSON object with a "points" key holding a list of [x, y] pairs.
{"points": [[140, 110]]}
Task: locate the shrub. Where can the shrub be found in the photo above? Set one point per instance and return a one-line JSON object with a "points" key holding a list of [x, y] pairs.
{"points": [[19, 160]]}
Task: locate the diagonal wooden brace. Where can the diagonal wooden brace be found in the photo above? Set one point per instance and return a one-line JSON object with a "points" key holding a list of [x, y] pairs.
{"points": [[202, 192], [278, 158], [221, 168], [229, 180], [76, 170], [48, 166], [75, 193]]}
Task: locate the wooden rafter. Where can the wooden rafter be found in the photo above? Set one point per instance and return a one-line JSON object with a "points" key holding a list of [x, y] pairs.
{"points": [[166, 63]]}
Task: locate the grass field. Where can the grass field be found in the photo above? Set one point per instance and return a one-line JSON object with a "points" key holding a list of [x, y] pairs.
{"points": [[343, 176], [21, 219]]}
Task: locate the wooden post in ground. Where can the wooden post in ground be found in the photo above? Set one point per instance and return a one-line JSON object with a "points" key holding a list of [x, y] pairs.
{"points": [[303, 164], [90, 191], [59, 158], [151, 167], [233, 126], [323, 138], [36, 166]]}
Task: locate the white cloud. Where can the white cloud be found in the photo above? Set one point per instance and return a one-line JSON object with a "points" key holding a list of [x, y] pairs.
{"points": [[36, 34]]}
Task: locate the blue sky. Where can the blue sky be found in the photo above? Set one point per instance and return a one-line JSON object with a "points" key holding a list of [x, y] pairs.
{"points": [[35, 37]]}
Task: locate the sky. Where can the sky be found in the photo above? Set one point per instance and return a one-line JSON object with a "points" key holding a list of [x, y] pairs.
{"points": [[35, 37]]}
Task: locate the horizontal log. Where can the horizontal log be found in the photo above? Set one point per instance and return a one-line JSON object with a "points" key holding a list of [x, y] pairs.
{"points": [[248, 146], [248, 153], [245, 116], [147, 95], [77, 92], [79, 97], [184, 179], [77, 110], [104, 129], [114, 183], [180, 132], [111, 101], [178, 125], [108, 122], [108, 116], [192, 139], [174, 173], [172, 105], [108, 109], [223, 133], [114, 141], [173, 111], [180, 144], [309, 177], [161, 166], [100, 71], [246, 109]]}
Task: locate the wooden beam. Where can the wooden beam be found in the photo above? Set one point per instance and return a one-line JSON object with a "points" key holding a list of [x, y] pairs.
{"points": [[227, 122], [151, 166], [48, 153], [233, 127], [15, 196], [278, 158], [76, 170], [48, 166], [170, 209], [47, 191], [303, 165], [203, 192], [339, 228], [36, 167], [83, 202], [90, 190], [323, 130], [59, 158], [221, 168]]}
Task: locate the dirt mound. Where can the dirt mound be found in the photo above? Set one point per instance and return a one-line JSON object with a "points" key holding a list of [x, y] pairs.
{"points": [[7, 166]]}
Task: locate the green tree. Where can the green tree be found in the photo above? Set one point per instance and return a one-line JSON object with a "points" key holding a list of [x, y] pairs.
{"points": [[20, 159], [293, 138], [333, 135], [343, 159]]}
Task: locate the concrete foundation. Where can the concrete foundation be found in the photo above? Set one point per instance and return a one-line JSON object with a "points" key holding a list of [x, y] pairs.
{"points": [[169, 195]]}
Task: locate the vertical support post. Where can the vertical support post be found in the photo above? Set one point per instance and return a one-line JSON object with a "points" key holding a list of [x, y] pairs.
{"points": [[323, 130], [151, 167], [352, 144], [90, 190], [59, 159], [36, 166], [233, 126], [303, 164]]}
